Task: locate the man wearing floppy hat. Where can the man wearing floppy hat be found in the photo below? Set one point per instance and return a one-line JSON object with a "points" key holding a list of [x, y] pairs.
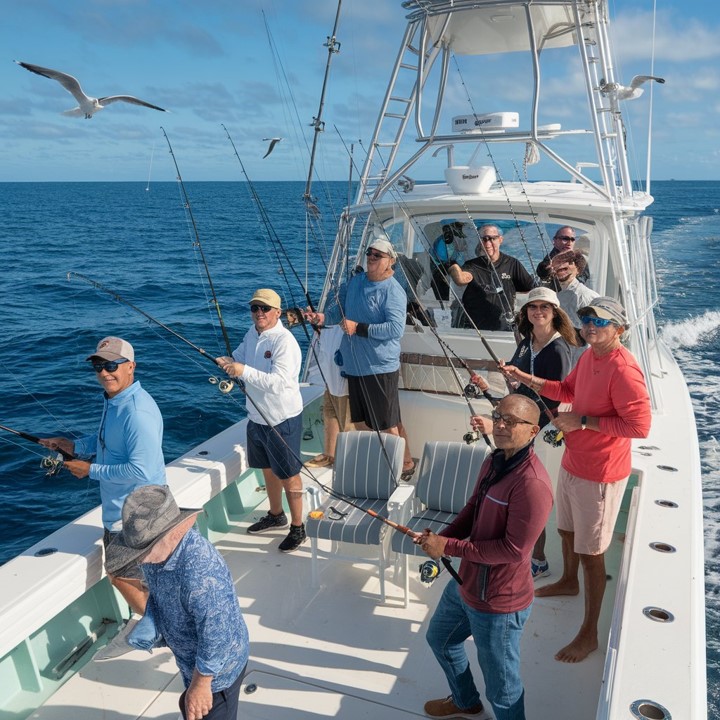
{"points": [[127, 449], [268, 361], [192, 599], [610, 406]]}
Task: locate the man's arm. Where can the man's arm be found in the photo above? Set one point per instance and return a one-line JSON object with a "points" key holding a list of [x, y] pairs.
{"points": [[459, 276]]}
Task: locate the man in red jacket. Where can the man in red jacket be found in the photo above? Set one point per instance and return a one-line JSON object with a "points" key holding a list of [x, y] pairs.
{"points": [[610, 407], [494, 534]]}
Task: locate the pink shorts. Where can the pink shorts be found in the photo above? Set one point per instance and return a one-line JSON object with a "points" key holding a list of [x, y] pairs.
{"points": [[588, 509]]}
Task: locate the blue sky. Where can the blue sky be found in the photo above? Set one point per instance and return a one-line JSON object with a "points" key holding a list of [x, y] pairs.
{"points": [[211, 63]]}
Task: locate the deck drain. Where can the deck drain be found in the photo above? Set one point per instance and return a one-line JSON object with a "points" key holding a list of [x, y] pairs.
{"points": [[668, 468], [662, 547], [666, 503], [250, 689], [44, 552], [658, 614], [649, 710], [203, 452]]}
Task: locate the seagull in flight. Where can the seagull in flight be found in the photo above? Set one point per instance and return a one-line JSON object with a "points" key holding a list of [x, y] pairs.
{"points": [[88, 105], [271, 147], [623, 92]]}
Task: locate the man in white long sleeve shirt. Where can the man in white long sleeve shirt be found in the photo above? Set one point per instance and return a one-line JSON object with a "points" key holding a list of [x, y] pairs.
{"points": [[268, 361]]}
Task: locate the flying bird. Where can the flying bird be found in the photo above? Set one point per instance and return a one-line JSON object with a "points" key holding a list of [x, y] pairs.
{"points": [[623, 92], [88, 105], [271, 147]]}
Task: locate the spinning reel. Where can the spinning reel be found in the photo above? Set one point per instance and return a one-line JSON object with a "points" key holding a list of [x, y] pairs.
{"points": [[52, 464], [472, 391], [429, 570], [470, 437], [224, 386], [553, 437]]}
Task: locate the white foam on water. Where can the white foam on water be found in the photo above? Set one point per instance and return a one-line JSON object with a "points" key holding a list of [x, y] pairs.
{"points": [[693, 331]]}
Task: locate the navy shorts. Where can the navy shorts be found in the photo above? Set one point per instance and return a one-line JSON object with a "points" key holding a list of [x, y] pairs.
{"points": [[374, 400], [277, 448]]}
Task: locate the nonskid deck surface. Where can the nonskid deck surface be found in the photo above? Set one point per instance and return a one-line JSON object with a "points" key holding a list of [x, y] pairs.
{"points": [[335, 651]]}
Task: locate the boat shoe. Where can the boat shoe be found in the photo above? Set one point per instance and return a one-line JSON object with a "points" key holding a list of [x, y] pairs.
{"points": [[446, 708], [320, 461]]}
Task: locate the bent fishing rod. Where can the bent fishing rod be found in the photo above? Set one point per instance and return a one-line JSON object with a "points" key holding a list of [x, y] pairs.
{"points": [[241, 385], [198, 245], [52, 464]]}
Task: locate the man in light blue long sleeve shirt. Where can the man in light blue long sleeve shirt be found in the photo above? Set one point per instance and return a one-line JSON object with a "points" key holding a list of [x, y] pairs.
{"points": [[127, 449]]}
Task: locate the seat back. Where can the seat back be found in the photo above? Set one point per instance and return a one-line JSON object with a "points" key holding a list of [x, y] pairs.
{"points": [[361, 466], [448, 473]]}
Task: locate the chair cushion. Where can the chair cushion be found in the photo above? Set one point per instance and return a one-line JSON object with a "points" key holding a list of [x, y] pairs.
{"points": [[448, 473], [432, 519], [356, 527]]}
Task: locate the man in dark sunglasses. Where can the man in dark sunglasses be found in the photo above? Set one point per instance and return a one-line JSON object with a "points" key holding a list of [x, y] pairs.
{"points": [[268, 360], [125, 453], [563, 241]]}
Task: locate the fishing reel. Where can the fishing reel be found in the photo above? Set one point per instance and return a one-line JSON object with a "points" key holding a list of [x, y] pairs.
{"points": [[471, 391], [553, 437], [52, 464], [470, 437], [224, 386], [429, 570]]}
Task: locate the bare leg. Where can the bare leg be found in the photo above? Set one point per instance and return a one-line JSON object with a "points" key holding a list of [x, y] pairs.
{"points": [[294, 494], [568, 584], [332, 428], [135, 594], [274, 487], [399, 431], [594, 584]]}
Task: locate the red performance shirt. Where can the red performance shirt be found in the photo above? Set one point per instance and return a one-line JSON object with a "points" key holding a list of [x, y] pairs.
{"points": [[612, 388]]}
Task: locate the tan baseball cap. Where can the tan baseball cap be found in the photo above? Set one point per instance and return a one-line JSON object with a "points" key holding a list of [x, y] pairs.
{"points": [[265, 296], [113, 348]]}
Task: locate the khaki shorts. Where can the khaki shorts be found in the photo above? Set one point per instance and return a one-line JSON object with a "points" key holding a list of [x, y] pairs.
{"points": [[589, 509], [337, 408]]}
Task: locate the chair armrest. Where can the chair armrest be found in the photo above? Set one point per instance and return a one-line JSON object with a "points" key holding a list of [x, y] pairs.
{"points": [[400, 504]]}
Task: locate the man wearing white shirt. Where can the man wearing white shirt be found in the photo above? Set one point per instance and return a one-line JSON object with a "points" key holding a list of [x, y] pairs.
{"points": [[268, 361]]}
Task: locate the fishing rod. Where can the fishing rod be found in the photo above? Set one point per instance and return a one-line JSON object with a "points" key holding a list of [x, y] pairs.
{"points": [[52, 464], [329, 490], [198, 245], [225, 386]]}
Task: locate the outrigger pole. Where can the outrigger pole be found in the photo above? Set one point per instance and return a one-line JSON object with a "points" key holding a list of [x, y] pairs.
{"points": [[332, 492], [198, 245]]}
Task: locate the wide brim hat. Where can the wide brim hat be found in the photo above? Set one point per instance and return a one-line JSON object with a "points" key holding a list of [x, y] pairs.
{"points": [[266, 296], [606, 308], [149, 513], [113, 348], [542, 294]]}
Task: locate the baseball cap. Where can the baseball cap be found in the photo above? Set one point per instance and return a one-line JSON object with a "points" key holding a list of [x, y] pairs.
{"points": [[113, 348], [267, 297]]}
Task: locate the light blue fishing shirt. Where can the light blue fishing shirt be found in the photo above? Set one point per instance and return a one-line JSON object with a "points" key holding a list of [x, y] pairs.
{"points": [[382, 307], [127, 449], [195, 607]]}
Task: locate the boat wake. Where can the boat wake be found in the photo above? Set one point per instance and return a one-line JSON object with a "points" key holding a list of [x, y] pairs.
{"points": [[693, 331]]}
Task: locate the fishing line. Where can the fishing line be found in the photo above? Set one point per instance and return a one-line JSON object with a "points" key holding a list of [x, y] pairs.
{"points": [[329, 490], [198, 246]]}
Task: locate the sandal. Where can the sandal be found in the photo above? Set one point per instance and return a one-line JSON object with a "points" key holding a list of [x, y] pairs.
{"points": [[320, 461], [406, 475]]}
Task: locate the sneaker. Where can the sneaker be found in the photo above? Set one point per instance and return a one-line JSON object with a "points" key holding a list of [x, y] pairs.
{"points": [[446, 708], [539, 568], [269, 522], [119, 645], [296, 537]]}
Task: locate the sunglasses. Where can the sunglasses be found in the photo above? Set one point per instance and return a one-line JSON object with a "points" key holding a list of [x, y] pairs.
{"points": [[490, 238], [257, 308], [565, 238], [596, 321], [375, 255], [108, 365], [509, 422]]}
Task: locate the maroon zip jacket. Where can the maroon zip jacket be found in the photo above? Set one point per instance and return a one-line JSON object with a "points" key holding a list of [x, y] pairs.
{"points": [[495, 541]]}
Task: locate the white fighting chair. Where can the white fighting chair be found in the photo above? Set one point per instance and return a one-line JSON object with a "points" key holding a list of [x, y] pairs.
{"points": [[367, 475], [446, 479]]}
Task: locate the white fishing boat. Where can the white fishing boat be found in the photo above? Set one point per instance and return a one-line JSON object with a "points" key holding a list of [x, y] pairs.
{"points": [[339, 630]]}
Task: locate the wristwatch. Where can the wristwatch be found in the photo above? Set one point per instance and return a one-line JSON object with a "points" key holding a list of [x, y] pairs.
{"points": [[583, 422]]}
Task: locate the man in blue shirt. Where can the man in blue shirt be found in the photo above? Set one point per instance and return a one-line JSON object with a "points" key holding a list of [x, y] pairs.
{"points": [[127, 449], [192, 599]]}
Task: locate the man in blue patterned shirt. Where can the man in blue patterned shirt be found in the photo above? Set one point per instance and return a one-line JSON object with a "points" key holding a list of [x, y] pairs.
{"points": [[192, 600]]}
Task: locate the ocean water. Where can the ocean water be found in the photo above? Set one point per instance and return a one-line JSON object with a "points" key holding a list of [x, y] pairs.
{"points": [[141, 244]]}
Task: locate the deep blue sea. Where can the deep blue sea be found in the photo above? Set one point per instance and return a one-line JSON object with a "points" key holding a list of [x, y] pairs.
{"points": [[141, 244]]}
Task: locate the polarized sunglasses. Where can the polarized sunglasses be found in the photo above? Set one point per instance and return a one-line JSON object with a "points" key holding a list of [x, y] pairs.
{"points": [[596, 321], [375, 255], [256, 308], [108, 365]]}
